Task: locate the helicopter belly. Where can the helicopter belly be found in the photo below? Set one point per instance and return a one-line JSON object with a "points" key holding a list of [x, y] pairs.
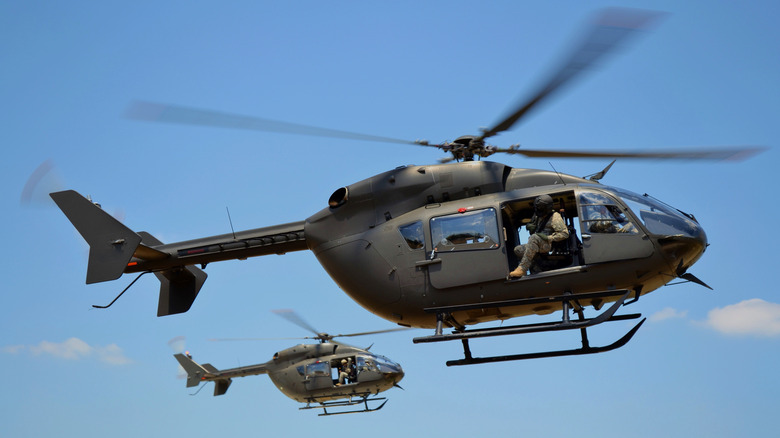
{"points": [[292, 388], [499, 300], [326, 392], [361, 271]]}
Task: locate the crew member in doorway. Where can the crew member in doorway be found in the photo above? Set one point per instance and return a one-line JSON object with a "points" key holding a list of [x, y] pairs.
{"points": [[546, 226]]}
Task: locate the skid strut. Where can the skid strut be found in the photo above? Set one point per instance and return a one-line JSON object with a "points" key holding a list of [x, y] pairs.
{"points": [[569, 302], [364, 399]]}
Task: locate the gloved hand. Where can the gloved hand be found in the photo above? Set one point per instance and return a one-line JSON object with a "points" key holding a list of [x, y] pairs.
{"points": [[531, 227], [544, 237]]}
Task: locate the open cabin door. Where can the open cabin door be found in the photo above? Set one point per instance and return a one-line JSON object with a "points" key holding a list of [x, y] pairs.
{"points": [[468, 247], [608, 233]]}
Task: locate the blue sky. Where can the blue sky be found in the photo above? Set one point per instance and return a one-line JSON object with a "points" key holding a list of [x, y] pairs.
{"points": [[704, 363]]}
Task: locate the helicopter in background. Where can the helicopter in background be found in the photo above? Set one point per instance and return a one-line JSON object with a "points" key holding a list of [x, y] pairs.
{"points": [[309, 373], [432, 246]]}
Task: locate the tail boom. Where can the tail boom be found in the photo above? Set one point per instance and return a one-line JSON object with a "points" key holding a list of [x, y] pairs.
{"points": [[115, 250], [197, 373]]}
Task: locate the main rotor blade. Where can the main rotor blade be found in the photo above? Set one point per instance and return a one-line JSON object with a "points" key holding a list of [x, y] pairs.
{"points": [[375, 332], [255, 339], [612, 27], [159, 112], [177, 344], [294, 318], [736, 153]]}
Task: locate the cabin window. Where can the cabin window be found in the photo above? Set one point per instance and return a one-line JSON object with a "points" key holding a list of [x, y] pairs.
{"points": [[465, 231], [318, 369], [413, 234], [600, 214]]}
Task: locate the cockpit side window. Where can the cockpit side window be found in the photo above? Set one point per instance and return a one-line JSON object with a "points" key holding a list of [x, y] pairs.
{"points": [[413, 234], [366, 364], [465, 231], [601, 214]]}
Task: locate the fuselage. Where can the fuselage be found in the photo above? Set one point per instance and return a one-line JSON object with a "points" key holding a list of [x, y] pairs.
{"points": [[418, 238], [309, 373], [382, 241]]}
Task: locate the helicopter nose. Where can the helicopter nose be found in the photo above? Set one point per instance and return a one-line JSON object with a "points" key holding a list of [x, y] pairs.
{"points": [[397, 376], [684, 250], [394, 376]]}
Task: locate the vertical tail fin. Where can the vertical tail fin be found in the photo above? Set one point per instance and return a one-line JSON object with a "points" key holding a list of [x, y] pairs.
{"points": [[111, 244], [197, 373]]}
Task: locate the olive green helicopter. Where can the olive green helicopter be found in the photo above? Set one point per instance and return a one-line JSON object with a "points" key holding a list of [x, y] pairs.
{"points": [[432, 246], [325, 376]]}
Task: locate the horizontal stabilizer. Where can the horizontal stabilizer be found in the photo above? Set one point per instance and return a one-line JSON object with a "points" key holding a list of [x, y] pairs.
{"points": [[221, 386], [111, 244], [178, 289]]}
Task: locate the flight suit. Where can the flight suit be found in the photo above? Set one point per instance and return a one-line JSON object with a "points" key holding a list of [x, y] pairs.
{"points": [[553, 229]]}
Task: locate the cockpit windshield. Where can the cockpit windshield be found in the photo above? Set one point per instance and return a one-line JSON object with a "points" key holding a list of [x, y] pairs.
{"points": [[386, 365], [657, 217]]}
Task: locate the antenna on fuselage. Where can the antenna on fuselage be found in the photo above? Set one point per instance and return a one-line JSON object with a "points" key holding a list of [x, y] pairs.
{"points": [[231, 223], [556, 172]]}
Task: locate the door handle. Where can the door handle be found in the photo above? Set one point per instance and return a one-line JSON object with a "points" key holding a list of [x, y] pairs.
{"points": [[427, 262]]}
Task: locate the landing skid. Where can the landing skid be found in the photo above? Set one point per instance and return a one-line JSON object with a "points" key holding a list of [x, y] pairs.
{"points": [[344, 403], [566, 324]]}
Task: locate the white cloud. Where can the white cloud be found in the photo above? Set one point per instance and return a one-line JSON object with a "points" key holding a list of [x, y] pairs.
{"points": [[13, 349], [112, 354], [73, 349], [668, 313], [751, 317]]}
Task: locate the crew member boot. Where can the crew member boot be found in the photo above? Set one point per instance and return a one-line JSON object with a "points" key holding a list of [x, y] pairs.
{"points": [[517, 273]]}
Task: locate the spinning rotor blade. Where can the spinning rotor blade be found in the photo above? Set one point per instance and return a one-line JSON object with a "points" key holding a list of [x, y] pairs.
{"points": [[255, 339], [41, 182], [294, 318], [158, 112], [611, 28], [319, 336], [736, 153], [375, 332], [178, 344]]}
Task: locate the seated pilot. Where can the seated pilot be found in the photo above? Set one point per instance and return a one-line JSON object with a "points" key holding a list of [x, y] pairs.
{"points": [[603, 220]]}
